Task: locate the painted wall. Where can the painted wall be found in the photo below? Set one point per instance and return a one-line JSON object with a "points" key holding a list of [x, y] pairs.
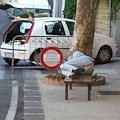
{"points": [[58, 7], [102, 21]]}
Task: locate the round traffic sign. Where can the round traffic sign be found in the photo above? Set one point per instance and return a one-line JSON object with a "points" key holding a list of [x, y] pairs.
{"points": [[51, 58]]}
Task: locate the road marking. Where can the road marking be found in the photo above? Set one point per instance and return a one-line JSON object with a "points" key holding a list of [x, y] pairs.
{"points": [[34, 114], [31, 86], [32, 101], [2, 74], [32, 96], [14, 101], [32, 107], [31, 90]]}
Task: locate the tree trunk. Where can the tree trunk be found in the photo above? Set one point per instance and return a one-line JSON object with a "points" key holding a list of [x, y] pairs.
{"points": [[84, 28]]}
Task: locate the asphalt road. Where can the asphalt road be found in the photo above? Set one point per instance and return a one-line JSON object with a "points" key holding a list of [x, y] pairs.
{"points": [[9, 91], [20, 98]]}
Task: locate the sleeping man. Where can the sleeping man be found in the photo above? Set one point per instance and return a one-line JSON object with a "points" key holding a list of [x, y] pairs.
{"points": [[79, 64]]}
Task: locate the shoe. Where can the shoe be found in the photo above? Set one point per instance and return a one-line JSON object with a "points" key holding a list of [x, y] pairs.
{"points": [[74, 76], [79, 70]]}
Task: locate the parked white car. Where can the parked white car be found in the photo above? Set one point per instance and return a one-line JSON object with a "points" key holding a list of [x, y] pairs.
{"points": [[53, 29]]}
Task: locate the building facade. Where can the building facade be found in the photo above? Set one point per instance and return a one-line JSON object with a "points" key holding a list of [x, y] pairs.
{"points": [[102, 23], [57, 7]]}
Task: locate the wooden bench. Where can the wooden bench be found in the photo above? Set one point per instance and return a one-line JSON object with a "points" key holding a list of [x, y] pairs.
{"points": [[83, 79]]}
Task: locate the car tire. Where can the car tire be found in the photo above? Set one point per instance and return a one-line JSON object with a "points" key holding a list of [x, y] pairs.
{"points": [[35, 57], [104, 55], [9, 61]]}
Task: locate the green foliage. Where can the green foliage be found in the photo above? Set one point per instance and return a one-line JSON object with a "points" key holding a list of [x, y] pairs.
{"points": [[97, 3], [115, 6], [70, 8], [30, 11], [59, 76], [23, 14]]}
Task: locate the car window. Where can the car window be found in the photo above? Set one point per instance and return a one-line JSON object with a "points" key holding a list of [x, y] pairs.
{"points": [[54, 28], [24, 27], [15, 11], [40, 12], [34, 12], [70, 27], [19, 12]]}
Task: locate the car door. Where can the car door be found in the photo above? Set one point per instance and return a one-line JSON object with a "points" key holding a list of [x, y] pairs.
{"points": [[22, 13], [57, 35]]}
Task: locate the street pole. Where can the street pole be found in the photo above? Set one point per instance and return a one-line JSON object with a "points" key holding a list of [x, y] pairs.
{"points": [[109, 18]]}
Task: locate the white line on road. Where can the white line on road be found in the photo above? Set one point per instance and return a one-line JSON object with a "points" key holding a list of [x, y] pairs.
{"points": [[31, 90], [2, 74], [14, 101], [34, 114], [31, 86], [32, 107], [32, 101]]}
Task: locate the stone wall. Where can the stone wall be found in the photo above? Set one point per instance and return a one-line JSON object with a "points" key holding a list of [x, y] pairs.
{"points": [[102, 21]]}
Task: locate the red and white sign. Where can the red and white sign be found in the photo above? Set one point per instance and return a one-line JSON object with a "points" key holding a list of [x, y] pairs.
{"points": [[51, 58]]}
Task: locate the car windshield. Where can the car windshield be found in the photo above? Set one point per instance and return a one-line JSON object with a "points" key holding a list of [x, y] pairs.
{"points": [[15, 11], [33, 11], [39, 12]]}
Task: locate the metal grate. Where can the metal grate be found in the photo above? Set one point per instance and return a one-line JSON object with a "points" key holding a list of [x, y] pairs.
{"points": [[109, 92]]}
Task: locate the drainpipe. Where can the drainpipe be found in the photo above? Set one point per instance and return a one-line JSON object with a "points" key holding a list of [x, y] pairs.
{"points": [[54, 8], [109, 18]]}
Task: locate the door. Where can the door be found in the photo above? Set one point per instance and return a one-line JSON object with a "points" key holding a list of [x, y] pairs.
{"points": [[22, 13], [60, 40]]}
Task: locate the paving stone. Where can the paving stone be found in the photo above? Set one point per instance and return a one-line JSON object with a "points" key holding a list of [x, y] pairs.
{"points": [[33, 104], [31, 87], [34, 117], [34, 110], [31, 93], [31, 83], [32, 98]]}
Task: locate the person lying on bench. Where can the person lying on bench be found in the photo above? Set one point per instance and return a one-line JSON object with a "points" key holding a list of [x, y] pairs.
{"points": [[79, 64]]}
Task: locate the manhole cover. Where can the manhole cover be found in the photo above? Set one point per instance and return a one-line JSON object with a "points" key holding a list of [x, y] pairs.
{"points": [[109, 92]]}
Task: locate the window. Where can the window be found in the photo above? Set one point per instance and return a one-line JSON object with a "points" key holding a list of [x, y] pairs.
{"points": [[42, 12], [15, 11], [70, 27], [24, 27], [54, 28], [33, 11]]}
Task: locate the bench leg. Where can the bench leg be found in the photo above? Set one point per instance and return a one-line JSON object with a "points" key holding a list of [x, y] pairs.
{"points": [[66, 91], [89, 92], [70, 85]]}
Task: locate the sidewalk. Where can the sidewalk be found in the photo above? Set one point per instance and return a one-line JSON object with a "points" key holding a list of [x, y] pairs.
{"points": [[101, 107]]}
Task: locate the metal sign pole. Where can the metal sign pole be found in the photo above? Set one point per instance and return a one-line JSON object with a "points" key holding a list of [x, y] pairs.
{"points": [[12, 74]]}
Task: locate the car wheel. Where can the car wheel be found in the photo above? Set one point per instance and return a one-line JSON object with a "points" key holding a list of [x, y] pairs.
{"points": [[36, 57], [104, 55], [9, 61]]}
